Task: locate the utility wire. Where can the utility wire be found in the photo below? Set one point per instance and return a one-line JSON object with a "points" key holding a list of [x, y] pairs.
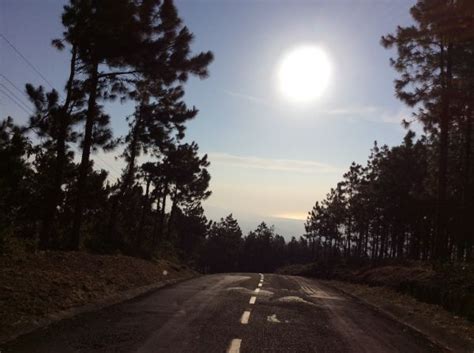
{"points": [[6, 94], [15, 86], [26, 60], [19, 99], [111, 169]]}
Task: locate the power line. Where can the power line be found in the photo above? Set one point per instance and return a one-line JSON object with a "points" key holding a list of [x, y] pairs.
{"points": [[109, 165], [15, 96], [14, 101], [111, 169], [101, 162], [14, 86], [26, 60]]}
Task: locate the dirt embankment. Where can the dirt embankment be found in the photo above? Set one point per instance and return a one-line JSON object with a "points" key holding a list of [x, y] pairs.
{"points": [[439, 325], [36, 289], [450, 286], [437, 301]]}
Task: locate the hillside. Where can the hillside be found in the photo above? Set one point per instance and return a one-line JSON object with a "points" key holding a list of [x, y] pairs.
{"points": [[38, 288]]}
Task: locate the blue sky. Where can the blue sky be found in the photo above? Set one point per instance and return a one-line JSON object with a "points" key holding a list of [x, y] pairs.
{"points": [[271, 158]]}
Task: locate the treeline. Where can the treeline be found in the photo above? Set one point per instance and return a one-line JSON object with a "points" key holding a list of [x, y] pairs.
{"points": [[261, 250], [127, 50], [415, 200]]}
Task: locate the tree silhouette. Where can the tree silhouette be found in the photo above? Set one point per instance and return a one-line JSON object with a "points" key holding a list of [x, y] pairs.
{"points": [[118, 41], [428, 54], [15, 178], [187, 178], [222, 248]]}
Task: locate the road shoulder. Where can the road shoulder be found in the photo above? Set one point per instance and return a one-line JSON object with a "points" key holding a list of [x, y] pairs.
{"points": [[443, 328]]}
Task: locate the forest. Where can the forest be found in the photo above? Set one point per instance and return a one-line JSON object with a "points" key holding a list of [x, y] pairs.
{"points": [[412, 201]]}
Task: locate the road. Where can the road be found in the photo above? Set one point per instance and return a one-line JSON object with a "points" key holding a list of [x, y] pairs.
{"points": [[230, 313]]}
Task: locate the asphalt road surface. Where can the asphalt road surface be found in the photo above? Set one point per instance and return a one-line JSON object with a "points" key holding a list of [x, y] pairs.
{"points": [[230, 313]]}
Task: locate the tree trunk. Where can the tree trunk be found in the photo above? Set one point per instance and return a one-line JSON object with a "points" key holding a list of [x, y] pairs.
{"points": [[156, 220], [54, 195], [466, 231], [441, 246], [127, 181], [145, 205], [163, 211], [84, 166], [171, 218], [349, 235]]}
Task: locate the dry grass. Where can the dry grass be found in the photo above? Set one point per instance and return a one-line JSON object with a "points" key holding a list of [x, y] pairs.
{"points": [[433, 320], [36, 285]]}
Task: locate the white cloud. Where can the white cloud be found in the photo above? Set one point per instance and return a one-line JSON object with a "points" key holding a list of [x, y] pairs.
{"points": [[284, 165]]}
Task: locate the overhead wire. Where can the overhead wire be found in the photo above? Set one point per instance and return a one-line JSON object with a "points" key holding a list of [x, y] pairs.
{"points": [[12, 99], [33, 67], [14, 86], [18, 99], [110, 168]]}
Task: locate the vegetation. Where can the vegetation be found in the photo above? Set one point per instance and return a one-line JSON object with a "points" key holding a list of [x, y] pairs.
{"points": [[128, 50], [412, 201], [262, 250], [415, 200]]}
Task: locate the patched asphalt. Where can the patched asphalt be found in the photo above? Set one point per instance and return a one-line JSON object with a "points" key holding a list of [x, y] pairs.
{"points": [[291, 314]]}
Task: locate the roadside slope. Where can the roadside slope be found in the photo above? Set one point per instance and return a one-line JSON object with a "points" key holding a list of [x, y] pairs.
{"points": [[436, 301], [36, 289]]}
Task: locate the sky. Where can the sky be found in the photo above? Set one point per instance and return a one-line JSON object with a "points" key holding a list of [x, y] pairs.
{"points": [[271, 158]]}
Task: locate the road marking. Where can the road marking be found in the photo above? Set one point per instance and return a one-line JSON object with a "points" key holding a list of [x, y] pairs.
{"points": [[234, 346], [259, 284], [245, 317], [273, 318], [257, 290], [252, 300]]}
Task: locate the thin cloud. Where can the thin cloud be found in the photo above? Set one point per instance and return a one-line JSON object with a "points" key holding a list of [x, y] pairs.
{"points": [[282, 165], [300, 216], [397, 117], [246, 97], [372, 114], [368, 113], [362, 110]]}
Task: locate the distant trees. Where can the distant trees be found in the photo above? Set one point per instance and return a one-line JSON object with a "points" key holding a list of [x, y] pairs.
{"points": [[223, 246], [379, 210], [262, 250]]}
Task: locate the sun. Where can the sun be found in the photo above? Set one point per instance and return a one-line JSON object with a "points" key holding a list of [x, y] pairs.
{"points": [[304, 73]]}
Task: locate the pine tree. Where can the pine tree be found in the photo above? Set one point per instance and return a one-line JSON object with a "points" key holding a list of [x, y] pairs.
{"points": [[118, 41]]}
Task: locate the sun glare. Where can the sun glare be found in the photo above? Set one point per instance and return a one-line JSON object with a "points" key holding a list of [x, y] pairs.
{"points": [[304, 73]]}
